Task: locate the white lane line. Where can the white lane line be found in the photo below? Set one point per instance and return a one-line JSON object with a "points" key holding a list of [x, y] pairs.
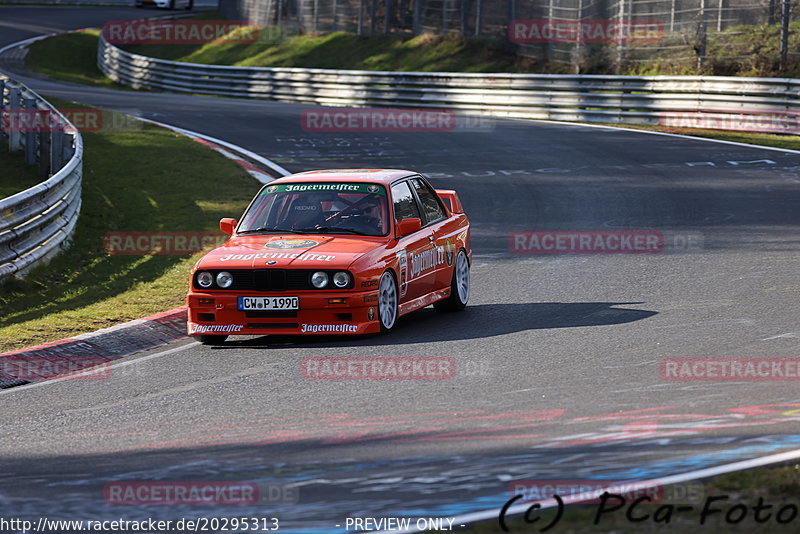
{"points": [[252, 155], [94, 370], [656, 482], [681, 136]]}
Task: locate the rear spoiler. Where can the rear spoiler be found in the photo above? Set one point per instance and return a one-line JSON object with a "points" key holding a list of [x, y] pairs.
{"points": [[451, 200]]}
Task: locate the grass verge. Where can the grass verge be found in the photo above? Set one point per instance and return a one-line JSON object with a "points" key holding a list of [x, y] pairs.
{"points": [[778, 486], [146, 179], [70, 57], [340, 50], [15, 175]]}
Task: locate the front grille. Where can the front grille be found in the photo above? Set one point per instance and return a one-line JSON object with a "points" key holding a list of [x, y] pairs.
{"points": [[270, 280], [272, 325]]}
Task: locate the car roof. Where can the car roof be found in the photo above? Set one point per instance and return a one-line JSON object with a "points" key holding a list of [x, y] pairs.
{"points": [[381, 176]]}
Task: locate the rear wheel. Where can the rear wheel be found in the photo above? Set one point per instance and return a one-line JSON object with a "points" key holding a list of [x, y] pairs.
{"points": [[387, 302], [459, 287], [212, 340]]}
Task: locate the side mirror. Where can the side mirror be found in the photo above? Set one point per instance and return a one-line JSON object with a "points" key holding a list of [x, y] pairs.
{"points": [[408, 226], [227, 225]]}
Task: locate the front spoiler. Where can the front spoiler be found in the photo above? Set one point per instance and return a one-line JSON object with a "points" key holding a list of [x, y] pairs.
{"points": [[316, 316]]}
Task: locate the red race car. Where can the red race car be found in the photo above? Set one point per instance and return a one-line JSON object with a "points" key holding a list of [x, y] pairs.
{"points": [[333, 252]]}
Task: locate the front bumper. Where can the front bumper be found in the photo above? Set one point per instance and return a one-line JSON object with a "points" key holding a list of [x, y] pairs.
{"points": [[217, 313]]}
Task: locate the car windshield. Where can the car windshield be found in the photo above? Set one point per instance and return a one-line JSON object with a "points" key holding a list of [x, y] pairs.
{"points": [[328, 207]]}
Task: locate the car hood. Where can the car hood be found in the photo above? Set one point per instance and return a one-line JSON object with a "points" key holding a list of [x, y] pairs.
{"points": [[297, 251]]}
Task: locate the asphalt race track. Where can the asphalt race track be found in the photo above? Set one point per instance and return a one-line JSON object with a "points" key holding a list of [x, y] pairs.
{"points": [[558, 357]]}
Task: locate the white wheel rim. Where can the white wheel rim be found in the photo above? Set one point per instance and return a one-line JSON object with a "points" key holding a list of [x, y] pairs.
{"points": [[462, 277], [387, 303]]}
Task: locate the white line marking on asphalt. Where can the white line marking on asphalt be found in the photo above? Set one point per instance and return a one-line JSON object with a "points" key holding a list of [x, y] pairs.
{"points": [[252, 155], [789, 334], [656, 482], [93, 370], [691, 137]]}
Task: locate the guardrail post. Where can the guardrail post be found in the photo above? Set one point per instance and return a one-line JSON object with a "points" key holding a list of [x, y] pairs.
{"points": [[56, 148], [14, 105], [68, 150], [31, 131], [45, 142]]}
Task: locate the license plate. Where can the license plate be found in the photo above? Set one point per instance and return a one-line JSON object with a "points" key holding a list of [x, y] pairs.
{"points": [[269, 303]]}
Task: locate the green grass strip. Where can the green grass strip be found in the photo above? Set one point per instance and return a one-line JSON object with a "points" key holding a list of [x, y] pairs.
{"points": [[145, 179]]}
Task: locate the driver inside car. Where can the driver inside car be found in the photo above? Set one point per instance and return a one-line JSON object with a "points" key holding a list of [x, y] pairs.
{"points": [[368, 215]]}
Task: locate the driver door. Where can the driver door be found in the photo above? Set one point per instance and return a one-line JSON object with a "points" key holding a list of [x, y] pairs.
{"points": [[416, 279]]}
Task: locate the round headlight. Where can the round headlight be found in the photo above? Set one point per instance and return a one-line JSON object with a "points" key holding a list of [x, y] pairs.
{"points": [[224, 279], [341, 279], [205, 279], [319, 279]]}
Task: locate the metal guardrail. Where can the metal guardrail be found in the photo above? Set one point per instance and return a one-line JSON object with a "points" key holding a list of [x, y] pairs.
{"points": [[36, 224], [750, 104]]}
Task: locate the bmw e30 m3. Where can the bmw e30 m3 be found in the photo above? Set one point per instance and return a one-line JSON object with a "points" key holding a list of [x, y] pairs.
{"points": [[333, 252]]}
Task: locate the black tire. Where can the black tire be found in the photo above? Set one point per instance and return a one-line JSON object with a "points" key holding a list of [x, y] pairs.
{"points": [[212, 340], [190, 5], [388, 302], [459, 286]]}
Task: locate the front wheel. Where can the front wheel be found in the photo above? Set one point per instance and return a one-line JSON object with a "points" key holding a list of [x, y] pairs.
{"points": [[387, 302], [459, 287], [212, 340]]}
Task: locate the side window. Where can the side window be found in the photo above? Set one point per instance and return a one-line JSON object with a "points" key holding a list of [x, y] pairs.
{"points": [[405, 207], [429, 199]]}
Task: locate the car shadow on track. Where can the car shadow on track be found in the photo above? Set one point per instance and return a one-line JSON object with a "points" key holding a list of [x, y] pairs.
{"points": [[477, 321]]}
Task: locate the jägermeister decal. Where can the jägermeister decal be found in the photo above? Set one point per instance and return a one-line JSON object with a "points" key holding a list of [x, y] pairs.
{"points": [[341, 187]]}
